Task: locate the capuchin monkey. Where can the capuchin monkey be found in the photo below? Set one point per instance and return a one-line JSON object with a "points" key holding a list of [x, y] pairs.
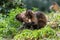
{"points": [[54, 7], [32, 20]]}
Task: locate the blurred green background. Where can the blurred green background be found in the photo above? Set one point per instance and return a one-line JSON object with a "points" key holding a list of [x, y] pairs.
{"points": [[43, 5]]}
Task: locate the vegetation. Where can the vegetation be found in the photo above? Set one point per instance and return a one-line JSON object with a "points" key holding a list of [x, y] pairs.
{"points": [[46, 32], [9, 25]]}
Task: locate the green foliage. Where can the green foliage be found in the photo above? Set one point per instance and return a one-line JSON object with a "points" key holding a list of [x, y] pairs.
{"points": [[54, 17], [8, 24], [35, 9], [7, 5], [9, 27], [46, 32]]}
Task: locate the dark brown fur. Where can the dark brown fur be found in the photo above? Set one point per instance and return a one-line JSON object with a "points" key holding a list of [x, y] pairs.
{"points": [[38, 19], [41, 18]]}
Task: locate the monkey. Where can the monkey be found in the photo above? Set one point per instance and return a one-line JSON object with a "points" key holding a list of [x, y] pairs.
{"points": [[33, 20], [54, 7]]}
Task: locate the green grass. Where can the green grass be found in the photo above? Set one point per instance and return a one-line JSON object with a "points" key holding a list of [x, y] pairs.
{"points": [[9, 25], [45, 32]]}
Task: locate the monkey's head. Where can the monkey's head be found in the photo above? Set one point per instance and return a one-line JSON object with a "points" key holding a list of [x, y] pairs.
{"points": [[29, 14]]}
